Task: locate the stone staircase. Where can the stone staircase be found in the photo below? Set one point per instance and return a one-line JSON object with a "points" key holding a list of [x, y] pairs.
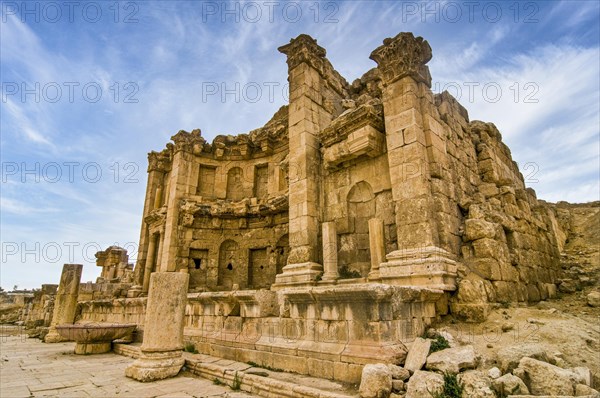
{"points": [[255, 380]]}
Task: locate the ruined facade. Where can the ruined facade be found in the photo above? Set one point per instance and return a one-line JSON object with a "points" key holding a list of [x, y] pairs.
{"points": [[375, 181], [337, 232]]}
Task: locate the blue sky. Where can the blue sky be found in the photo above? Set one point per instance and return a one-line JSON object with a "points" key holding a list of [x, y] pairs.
{"points": [[88, 88]]}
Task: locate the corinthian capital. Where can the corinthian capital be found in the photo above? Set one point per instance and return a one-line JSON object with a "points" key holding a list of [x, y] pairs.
{"points": [[403, 55], [303, 49], [160, 161]]}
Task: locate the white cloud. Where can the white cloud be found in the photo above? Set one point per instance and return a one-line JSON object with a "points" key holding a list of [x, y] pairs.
{"points": [[547, 112]]}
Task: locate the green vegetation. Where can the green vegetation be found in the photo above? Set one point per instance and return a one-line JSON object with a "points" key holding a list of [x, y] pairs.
{"points": [[237, 383], [452, 388], [440, 343], [190, 347], [346, 273]]}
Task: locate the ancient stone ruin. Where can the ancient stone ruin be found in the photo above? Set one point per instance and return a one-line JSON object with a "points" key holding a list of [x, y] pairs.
{"points": [[335, 234]]}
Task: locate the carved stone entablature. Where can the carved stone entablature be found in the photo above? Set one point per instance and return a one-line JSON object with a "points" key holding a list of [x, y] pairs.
{"points": [[403, 55], [357, 132], [189, 142], [156, 219], [260, 142], [160, 161], [243, 208]]}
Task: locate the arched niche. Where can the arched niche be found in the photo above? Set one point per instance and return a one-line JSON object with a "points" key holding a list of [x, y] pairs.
{"points": [[229, 264], [282, 250], [235, 186], [353, 247]]}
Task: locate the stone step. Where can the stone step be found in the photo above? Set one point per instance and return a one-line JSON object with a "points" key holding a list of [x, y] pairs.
{"points": [[255, 380]]}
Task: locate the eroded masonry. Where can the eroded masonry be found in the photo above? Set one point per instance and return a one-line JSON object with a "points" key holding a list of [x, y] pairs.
{"points": [[337, 232]]}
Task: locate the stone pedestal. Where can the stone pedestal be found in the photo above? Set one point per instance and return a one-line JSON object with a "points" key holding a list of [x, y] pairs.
{"points": [[65, 302], [161, 351], [429, 267], [92, 348], [134, 291]]}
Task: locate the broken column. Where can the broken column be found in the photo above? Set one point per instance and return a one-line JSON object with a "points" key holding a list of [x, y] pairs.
{"points": [[161, 351], [65, 302]]}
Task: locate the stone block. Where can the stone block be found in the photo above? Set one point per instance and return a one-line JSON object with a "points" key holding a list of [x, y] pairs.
{"points": [[453, 360], [417, 354], [376, 381], [478, 229], [422, 384]]}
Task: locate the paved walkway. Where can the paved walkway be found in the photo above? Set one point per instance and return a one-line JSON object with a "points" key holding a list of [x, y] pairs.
{"points": [[30, 368]]}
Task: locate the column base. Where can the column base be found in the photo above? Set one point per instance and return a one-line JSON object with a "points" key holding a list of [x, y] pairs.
{"points": [[374, 276], [53, 336], [303, 274], [134, 291], [430, 267], [152, 366], [92, 348]]}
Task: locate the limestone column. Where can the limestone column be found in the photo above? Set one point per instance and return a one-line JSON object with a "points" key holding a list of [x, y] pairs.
{"points": [[65, 302], [161, 350], [180, 184], [159, 164], [419, 259], [330, 251], [149, 266], [306, 59], [376, 246]]}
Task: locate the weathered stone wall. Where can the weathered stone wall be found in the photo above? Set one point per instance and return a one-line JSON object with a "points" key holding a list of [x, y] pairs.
{"points": [[510, 246], [215, 201], [113, 311], [38, 311]]}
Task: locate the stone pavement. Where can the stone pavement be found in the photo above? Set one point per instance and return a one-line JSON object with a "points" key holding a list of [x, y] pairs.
{"points": [[30, 368]]}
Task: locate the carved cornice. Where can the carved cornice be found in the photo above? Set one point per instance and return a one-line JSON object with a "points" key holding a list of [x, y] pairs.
{"points": [[189, 142], [226, 209], [159, 161], [304, 49], [403, 55], [156, 218]]}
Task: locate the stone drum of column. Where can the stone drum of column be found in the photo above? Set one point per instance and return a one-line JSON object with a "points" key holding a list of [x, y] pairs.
{"points": [[161, 351], [65, 303]]}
